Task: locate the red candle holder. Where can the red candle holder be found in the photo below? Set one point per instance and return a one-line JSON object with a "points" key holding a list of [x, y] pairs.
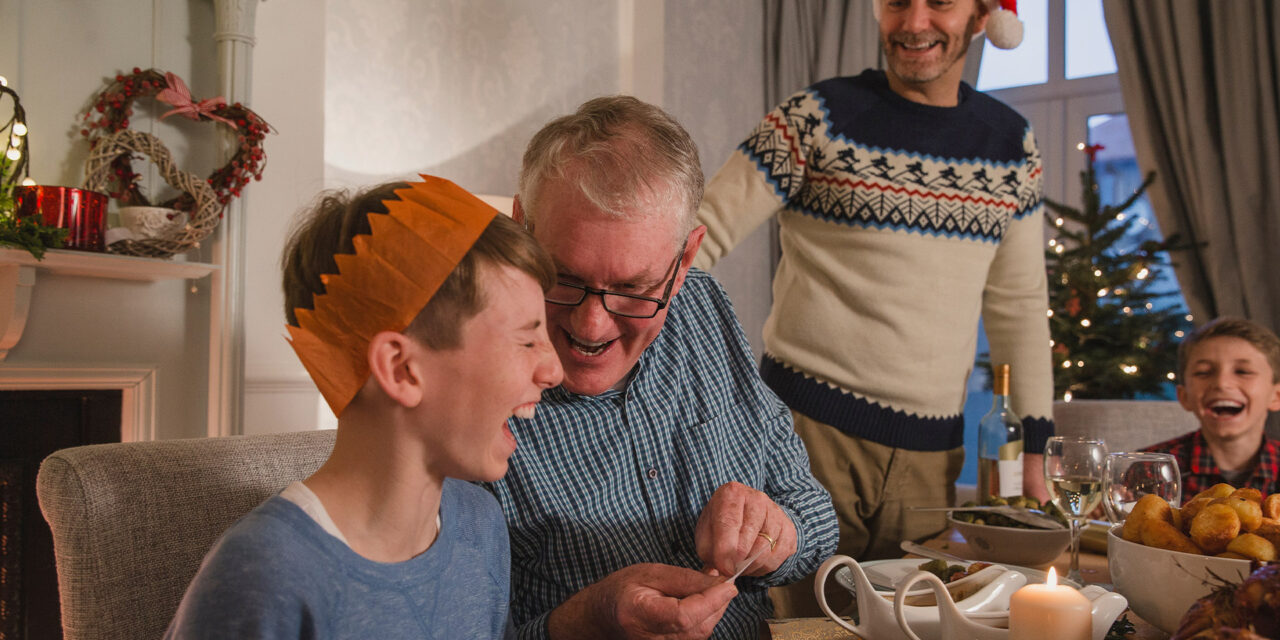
{"points": [[82, 213]]}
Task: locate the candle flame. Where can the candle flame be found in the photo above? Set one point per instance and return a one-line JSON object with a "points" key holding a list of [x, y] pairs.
{"points": [[1052, 580]]}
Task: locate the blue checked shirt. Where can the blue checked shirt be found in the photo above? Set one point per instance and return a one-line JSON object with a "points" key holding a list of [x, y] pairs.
{"points": [[603, 482]]}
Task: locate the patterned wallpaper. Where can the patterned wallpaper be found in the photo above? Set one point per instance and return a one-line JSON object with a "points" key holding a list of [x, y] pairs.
{"points": [[456, 87], [715, 87]]}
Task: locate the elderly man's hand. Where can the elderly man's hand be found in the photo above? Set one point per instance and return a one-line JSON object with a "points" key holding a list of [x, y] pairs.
{"points": [[655, 601], [739, 521]]}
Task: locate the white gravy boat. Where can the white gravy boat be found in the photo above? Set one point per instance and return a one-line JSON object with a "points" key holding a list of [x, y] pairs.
{"points": [[980, 616]]}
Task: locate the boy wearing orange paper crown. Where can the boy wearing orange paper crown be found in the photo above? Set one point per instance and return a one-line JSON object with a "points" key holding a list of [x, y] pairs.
{"points": [[417, 309]]}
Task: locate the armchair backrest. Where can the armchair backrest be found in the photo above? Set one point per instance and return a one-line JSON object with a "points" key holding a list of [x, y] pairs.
{"points": [[1126, 425], [132, 521]]}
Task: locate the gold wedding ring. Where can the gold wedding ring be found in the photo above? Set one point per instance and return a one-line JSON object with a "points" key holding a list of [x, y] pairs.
{"points": [[772, 543]]}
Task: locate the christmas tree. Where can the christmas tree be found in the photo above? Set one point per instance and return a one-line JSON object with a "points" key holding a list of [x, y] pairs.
{"points": [[1115, 329]]}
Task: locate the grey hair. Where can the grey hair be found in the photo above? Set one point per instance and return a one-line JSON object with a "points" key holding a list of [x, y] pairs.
{"points": [[624, 155]]}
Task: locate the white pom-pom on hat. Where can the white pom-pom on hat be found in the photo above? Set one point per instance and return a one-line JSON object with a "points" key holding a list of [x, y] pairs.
{"points": [[1004, 29]]}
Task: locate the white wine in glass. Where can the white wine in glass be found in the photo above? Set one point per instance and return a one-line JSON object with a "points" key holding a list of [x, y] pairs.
{"points": [[1074, 471], [1077, 496]]}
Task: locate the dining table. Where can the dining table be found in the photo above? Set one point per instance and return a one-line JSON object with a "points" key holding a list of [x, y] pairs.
{"points": [[1093, 570]]}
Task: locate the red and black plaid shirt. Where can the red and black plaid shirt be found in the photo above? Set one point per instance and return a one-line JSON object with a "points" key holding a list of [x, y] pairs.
{"points": [[1200, 471]]}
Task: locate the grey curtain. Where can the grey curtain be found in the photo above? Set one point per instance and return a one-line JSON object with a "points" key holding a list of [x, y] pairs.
{"points": [[810, 40], [1200, 86]]}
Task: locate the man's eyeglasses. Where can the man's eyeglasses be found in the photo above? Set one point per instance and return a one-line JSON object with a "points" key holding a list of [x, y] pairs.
{"points": [[628, 305]]}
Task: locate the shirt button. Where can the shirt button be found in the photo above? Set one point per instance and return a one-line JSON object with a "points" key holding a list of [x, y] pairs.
{"points": [[653, 473]]}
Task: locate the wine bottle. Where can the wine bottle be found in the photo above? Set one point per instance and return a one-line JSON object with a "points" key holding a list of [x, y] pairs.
{"points": [[1000, 443]]}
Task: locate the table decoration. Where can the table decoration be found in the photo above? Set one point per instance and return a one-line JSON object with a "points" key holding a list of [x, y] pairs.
{"points": [[1049, 610], [108, 117]]}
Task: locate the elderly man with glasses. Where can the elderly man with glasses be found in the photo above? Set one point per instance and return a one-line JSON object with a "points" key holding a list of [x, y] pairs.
{"points": [[662, 466]]}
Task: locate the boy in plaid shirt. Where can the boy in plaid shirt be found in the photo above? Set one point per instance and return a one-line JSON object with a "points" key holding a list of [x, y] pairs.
{"points": [[1229, 378]]}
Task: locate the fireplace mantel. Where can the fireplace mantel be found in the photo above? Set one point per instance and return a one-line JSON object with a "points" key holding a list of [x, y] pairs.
{"points": [[18, 271]]}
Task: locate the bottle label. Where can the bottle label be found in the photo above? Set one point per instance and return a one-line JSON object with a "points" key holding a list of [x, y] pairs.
{"points": [[1010, 473]]}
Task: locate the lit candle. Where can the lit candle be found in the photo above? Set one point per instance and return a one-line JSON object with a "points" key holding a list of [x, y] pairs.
{"points": [[1049, 611]]}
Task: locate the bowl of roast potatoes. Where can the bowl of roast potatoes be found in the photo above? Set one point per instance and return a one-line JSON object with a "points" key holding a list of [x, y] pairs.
{"points": [[1164, 558]]}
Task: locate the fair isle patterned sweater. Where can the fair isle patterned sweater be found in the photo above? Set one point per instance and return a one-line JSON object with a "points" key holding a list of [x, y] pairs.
{"points": [[900, 224]]}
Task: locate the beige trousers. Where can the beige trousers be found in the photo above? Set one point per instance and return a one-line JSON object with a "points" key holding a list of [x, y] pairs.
{"points": [[872, 486]]}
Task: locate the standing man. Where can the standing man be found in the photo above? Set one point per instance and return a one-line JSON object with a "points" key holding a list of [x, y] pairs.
{"points": [[662, 464], [909, 205]]}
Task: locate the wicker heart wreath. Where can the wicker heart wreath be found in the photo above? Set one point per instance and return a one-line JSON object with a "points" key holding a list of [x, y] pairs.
{"points": [[204, 210], [108, 116]]}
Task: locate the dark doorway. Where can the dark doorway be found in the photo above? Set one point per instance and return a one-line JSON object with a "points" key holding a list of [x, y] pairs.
{"points": [[34, 424]]}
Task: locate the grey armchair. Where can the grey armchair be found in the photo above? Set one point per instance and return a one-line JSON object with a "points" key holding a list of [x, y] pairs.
{"points": [[132, 521], [1126, 425]]}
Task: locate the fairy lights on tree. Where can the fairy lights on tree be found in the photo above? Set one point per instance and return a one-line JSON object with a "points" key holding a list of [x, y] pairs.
{"points": [[1114, 329]]}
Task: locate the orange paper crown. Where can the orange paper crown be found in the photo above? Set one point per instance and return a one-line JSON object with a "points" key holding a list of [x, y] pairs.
{"points": [[383, 286]]}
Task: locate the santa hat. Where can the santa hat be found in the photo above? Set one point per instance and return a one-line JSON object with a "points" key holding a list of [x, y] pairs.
{"points": [[1004, 29]]}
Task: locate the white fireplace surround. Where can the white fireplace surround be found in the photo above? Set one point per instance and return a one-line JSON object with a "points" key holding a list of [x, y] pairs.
{"points": [[137, 385]]}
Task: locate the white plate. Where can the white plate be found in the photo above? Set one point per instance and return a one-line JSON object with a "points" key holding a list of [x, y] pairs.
{"points": [[889, 572]]}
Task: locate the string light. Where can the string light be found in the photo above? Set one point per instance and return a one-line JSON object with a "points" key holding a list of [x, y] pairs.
{"points": [[1053, 242], [1066, 364], [1084, 322], [1179, 333], [1127, 310], [19, 129], [1189, 317], [1057, 222], [1143, 273], [1102, 293], [1129, 369], [4, 82], [1051, 343], [1119, 216], [1050, 313], [1170, 376], [1066, 396], [1080, 146], [1059, 249], [1148, 305], [1097, 272], [1079, 363], [28, 182], [13, 154]]}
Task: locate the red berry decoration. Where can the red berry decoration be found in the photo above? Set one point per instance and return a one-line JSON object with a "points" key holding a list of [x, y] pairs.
{"points": [[115, 104]]}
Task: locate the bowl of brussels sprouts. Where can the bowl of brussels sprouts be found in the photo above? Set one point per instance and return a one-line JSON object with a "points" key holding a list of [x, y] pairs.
{"points": [[996, 537]]}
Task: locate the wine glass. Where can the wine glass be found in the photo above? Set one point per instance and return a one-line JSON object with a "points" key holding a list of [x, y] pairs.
{"points": [[1073, 472], [1131, 475]]}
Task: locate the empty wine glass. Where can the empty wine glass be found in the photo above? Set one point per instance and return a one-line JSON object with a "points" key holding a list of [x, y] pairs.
{"points": [[1131, 475], [1074, 469]]}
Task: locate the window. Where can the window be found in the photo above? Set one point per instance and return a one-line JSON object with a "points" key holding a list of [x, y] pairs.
{"points": [[1062, 78]]}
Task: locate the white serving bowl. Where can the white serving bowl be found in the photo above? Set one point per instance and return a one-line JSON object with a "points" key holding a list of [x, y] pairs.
{"points": [[1161, 585], [1012, 545]]}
